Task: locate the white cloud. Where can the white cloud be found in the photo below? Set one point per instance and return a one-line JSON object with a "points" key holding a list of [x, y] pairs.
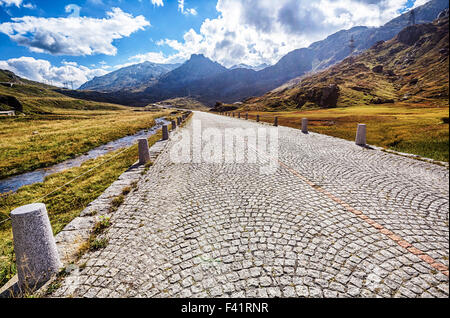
{"points": [[185, 11], [73, 35], [158, 3], [29, 6], [155, 57], [262, 31], [8, 3], [17, 3], [419, 3], [73, 9], [43, 71]]}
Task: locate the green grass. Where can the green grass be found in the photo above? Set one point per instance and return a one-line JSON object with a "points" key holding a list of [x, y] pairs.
{"points": [[36, 141], [65, 204], [414, 129]]}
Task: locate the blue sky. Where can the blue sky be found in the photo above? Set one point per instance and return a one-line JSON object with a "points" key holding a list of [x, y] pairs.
{"points": [[166, 22], [76, 40]]}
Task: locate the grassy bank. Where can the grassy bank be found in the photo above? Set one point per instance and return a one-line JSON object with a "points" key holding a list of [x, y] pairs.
{"points": [[65, 204], [36, 141], [415, 129]]}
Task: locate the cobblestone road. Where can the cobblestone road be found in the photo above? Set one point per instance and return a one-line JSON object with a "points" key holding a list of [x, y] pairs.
{"points": [[335, 220]]}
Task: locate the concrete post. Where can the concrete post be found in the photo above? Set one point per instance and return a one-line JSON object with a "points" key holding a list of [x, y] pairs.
{"points": [[275, 123], [361, 135], [257, 118], [144, 153], [165, 132], [37, 257], [246, 116], [305, 125], [174, 125]]}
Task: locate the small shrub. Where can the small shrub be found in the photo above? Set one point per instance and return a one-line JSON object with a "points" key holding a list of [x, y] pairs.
{"points": [[101, 225], [117, 202], [98, 244]]}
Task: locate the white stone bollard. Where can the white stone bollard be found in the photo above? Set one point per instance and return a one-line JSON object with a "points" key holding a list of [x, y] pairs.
{"points": [[37, 257], [305, 125], [165, 132], [361, 135], [144, 153]]}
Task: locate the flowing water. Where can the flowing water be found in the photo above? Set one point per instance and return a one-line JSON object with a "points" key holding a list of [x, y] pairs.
{"points": [[13, 183]]}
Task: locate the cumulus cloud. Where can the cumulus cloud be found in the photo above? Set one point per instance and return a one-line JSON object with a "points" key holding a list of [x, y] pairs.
{"points": [[262, 31], [43, 71], [73, 35]]}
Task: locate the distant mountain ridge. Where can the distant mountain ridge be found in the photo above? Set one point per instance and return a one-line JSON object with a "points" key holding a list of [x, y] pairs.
{"points": [[208, 81], [246, 66], [410, 68], [130, 77]]}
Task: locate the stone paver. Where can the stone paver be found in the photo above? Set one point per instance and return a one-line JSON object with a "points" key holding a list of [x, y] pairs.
{"points": [[335, 220]]}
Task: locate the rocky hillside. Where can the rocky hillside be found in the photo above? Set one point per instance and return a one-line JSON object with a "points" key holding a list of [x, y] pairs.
{"points": [[184, 103], [335, 47], [29, 97], [412, 67], [209, 82], [129, 78]]}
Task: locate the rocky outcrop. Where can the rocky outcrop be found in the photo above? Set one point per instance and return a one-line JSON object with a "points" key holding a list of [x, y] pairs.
{"points": [[410, 35], [379, 100], [377, 69], [443, 14], [12, 102], [325, 97]]}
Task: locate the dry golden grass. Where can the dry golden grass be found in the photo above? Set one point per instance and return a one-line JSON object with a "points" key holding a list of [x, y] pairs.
{"points": [[65, 204], [407, 128], [35, 141]]}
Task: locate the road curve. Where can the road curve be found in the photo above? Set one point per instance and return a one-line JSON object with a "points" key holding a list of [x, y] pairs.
{"points": [[333, 220]]}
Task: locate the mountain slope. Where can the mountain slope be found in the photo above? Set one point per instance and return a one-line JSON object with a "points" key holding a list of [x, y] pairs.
{"points": [[255, 68], [410, 68], [209, 82], [31, 97], [335, 47], [127, 78]]}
